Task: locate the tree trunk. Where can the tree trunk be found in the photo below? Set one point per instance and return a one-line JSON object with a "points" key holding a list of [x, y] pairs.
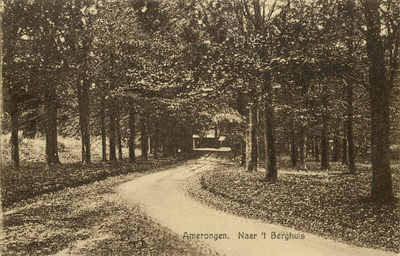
{"points": [[293, 147], [156, 141], [265, 141], [14, 133], [324, 137], [272, 172], [216, 136], [144, 137], [112, 127], [312, 147], [303, 139], [254, 137], [83, 104], [316, 149], [349, 92], [379, 93], [118, 129], [349, 129], [103, 129], [344, 152], [324, 149], [51, 125], [51, 135], [131, 142], [250, 163], [335, 157]]}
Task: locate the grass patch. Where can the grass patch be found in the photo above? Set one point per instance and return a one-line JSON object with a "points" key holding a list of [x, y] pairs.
{"points": [[329, 204], [90, 219]]}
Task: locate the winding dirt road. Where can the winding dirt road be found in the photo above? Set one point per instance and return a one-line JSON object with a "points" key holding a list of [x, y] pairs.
{"points": [[163, 197]]}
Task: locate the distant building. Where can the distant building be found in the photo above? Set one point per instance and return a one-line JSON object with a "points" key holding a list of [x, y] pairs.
{"points": [[208, 140]]}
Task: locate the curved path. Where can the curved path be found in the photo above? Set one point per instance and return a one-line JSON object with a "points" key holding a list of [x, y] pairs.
{"points": [[163, 197]]}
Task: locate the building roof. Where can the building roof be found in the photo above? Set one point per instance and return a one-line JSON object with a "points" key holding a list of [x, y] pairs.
{"points": [[209, 135]]}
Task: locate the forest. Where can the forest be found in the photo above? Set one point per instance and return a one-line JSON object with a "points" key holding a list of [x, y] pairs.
{"points": [[282, 76], [311, 80]]}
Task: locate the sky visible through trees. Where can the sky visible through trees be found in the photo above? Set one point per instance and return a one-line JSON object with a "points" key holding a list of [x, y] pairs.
{"points": [[317, 78]]}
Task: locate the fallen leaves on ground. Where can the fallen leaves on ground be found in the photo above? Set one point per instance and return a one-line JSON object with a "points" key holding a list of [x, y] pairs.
{"points": [[90, 219], [329, 204], [34, 179]]}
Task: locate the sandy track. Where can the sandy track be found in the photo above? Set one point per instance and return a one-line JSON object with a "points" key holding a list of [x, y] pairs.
{"points": [[163, 197]]}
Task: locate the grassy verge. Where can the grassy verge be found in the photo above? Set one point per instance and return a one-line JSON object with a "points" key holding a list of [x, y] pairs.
{"points": [[332, 203], [89, 219]]}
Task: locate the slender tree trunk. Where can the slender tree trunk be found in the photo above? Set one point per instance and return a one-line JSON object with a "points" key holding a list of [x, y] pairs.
{"points": [[241, 102], [51, 126], [132, 157], [303, 140], [216, 135], [250, 162], [294, 153], [112, 110], [86, 121], [156, 141], [312, 147], [259, 152], [379, 93], [349, 129], [324, 137], [14, 133], [83, 103], [272, 171], [316, 149], [103, 129], [265, 141], [112, 129], [254, 137], [144, 137], [119, 139], [349, 92], [51, 136], [324, 149], [344, 152]]}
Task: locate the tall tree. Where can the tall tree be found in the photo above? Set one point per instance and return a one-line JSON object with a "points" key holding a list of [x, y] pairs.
{"points": [[379, 89], [84, 40]]}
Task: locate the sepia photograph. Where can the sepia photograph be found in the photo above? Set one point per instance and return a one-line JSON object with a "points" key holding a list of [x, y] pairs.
{"points": [[200, 127]]}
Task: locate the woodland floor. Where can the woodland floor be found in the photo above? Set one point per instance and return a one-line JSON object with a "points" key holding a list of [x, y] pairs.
{"points": [[330, 203], [72, 209], [90, 219], [163, 196]]}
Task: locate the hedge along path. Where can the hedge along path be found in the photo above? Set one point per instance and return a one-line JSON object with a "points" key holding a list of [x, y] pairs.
{"points": [[163, 197]]}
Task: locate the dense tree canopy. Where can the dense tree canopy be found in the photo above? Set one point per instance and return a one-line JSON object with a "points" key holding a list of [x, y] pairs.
{"points": [[283, 76]]}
